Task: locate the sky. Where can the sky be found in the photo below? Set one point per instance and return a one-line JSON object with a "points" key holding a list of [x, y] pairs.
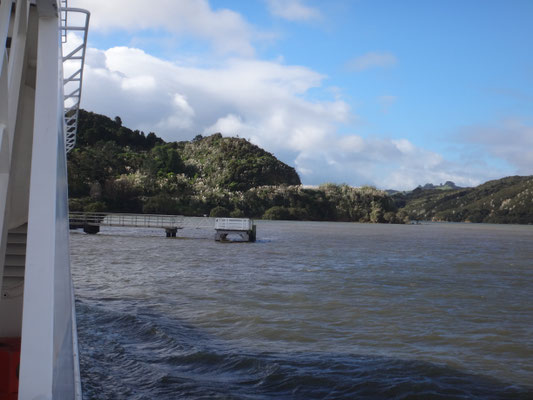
{"points": [[389, 93]]}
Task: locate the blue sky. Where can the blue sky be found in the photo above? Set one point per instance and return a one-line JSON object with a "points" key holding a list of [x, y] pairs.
{"points": [[388, 93]]}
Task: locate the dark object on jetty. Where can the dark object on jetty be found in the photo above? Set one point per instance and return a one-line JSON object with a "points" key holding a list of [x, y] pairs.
{"points": [[171, 232], [91, 229], [90, 223]]}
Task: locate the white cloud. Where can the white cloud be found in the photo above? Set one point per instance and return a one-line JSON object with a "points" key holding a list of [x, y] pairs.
{"points": [[385, 163], [225, 29], [181, 104], [264, 98], [293, 10], [510, 140], [231, 125], [180, 116], [265, 102], [372, 60], [139, 83]]}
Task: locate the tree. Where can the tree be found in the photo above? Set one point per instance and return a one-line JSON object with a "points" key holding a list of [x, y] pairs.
{"points": [[161, 203], [152, 140], [173, 162]]}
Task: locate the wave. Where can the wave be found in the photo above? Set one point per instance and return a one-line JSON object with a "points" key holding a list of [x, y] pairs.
{"points": [[128, 351]]}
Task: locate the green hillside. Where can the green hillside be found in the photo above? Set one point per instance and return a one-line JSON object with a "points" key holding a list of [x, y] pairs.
{"points": [[113, 168], [507, 200]]}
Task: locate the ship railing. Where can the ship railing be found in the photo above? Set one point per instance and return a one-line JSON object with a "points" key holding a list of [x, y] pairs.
{"points": [[73, 64], [64, 20]]}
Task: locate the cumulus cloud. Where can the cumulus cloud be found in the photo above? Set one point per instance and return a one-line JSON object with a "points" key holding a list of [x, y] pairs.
{"points": [[264, 101], [510, 140], [293, 10], [225, 29], [372, 60], [385, 163], [267, 102]]}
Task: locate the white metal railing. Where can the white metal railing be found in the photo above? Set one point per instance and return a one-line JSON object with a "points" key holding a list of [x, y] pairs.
{"points": [[157, 221], [131, 220], [73, 62], [234, 224], [198, 222]]}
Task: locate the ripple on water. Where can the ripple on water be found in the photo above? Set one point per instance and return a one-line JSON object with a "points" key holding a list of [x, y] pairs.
{"points": [[315, 311]]}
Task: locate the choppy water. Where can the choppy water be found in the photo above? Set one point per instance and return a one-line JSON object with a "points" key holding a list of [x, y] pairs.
{"points": [[312, 310]]}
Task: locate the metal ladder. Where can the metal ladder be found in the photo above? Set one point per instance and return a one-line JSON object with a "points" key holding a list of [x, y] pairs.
{"points": [[73, 61]]}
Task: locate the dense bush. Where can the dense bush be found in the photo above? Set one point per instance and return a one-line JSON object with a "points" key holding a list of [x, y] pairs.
{"points": [[116, 169], [161, 203], [219, 212], [277, 212]]}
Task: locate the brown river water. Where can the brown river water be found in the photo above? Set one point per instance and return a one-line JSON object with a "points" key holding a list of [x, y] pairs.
{"points": [[311, 310]]}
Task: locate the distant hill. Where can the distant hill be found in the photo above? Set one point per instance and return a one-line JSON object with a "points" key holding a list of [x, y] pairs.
{"points": [[448, 185], [506, 200]]}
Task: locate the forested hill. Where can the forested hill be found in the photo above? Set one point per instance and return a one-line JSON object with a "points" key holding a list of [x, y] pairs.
{"points": [[113, 168], [229, 163], [507, 200]]}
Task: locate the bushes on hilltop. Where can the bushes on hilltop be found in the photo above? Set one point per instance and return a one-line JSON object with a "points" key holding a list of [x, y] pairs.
{"points": [[113, 168], [116, 169]]}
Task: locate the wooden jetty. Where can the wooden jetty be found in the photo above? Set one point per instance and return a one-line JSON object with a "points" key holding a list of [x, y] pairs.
{"points": [[242, 228]]}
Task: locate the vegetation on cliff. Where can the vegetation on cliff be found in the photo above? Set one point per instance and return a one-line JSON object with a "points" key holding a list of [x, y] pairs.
{"points": [[113, 168]]}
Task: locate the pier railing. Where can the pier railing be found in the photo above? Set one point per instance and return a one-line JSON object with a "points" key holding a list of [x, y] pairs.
{"points": [[131, 220], [91, 223], [233, 224]]}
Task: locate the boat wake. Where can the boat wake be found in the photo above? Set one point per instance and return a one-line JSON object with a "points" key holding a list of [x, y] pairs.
{"points": [[132, 352]]}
